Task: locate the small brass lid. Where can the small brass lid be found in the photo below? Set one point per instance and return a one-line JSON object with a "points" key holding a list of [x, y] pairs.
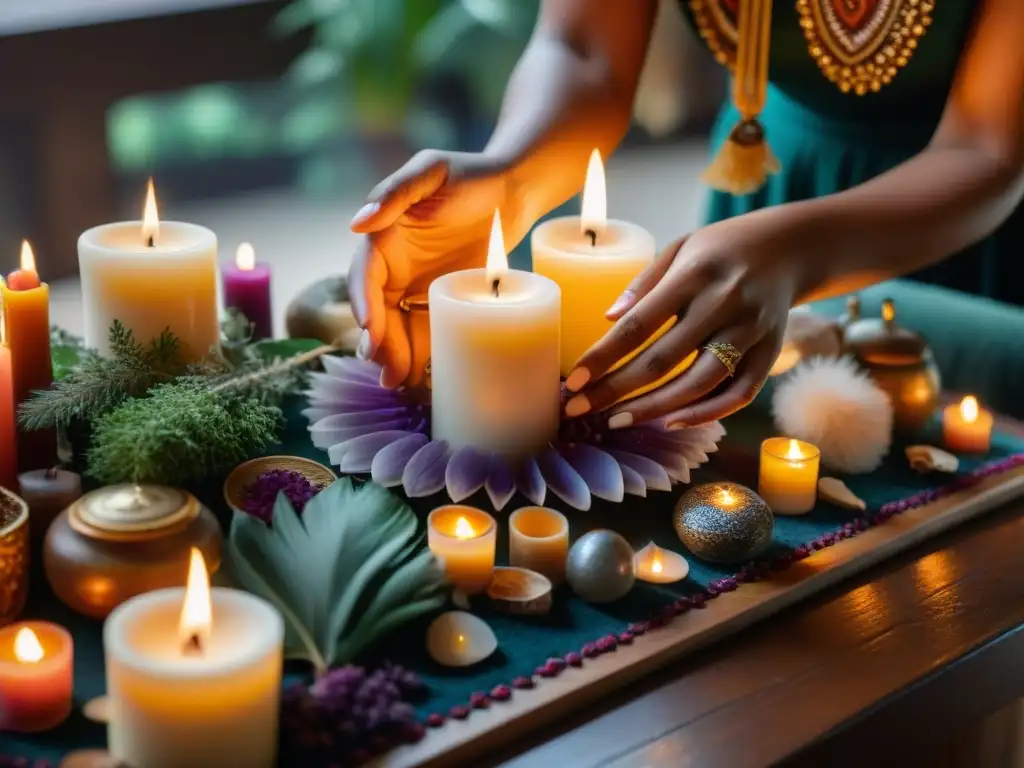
{"points": [[132, 512], [879, 340]]}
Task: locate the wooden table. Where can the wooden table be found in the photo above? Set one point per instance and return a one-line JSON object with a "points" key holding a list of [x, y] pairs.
{"points": [[65, 62], [917, 662]]}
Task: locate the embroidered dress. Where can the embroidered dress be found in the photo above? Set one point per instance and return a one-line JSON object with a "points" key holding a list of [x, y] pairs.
{"points": [[855, 88]]}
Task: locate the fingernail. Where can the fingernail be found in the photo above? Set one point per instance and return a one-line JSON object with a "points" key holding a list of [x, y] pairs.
{"points": [[577, 406], [675, 426], [620, 421], [577, 379], [363, 348], [364, 213], [624, 302]]}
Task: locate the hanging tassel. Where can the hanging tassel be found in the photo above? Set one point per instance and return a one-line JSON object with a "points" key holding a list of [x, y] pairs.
{"points": [[745, 161]]}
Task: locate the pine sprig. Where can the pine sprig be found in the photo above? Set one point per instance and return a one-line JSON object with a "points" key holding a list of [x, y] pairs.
{"points": [[99, 384], [183, 430]]}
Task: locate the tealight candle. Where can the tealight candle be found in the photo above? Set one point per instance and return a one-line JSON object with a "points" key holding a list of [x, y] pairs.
{"points": [[36, 677], [25, 304], [48, 492], [659, 566], [966, 427], [194, 677], [593, 259], [247, 288], [788, 479], [538, 539], [151, 275], [494, 356], [463, 539]]}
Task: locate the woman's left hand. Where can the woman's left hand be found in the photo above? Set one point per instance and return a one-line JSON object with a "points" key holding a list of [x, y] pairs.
{"points": [[730, 286]]}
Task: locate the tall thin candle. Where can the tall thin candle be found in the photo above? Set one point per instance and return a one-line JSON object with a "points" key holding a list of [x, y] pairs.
{"points": [[26, 308], [8, 433]]}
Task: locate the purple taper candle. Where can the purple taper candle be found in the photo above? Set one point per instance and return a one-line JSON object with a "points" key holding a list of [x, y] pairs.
{"points": [[247, 289]]}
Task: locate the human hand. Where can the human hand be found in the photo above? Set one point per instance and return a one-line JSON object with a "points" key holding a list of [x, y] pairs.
{"points": [[731, 286], [430, 217]]}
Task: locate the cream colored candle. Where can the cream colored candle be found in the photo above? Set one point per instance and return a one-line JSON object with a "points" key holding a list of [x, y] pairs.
{"points": [[150, 275], [659, 566], [194, 677], [463, 539], [966, 427], [788, 479], [538, 539], [494, 356], [593, 259]]}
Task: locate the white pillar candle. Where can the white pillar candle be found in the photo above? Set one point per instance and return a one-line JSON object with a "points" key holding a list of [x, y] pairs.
{"points": [[150, 275], [194, 677], [593, 259], [538, 539], [494, 356]]}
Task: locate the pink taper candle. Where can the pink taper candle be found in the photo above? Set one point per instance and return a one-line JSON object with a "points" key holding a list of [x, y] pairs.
{"points": [[247, 289]]}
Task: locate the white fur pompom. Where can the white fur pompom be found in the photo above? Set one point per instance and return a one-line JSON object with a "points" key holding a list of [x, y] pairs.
{"points": [[832, 404]]}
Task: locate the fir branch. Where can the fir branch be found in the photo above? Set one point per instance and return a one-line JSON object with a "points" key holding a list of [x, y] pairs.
{"points": [[182, 431], [99, 384]]}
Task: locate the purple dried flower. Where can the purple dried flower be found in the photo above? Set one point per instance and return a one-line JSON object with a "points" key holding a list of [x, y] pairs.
{"points": [[261, 496]]}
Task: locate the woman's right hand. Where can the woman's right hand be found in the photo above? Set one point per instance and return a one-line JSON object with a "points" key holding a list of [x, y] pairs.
{"points": [[430, 217]]}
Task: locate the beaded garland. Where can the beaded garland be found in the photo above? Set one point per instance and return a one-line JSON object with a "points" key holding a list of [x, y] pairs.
{"points": [[860, 45]]}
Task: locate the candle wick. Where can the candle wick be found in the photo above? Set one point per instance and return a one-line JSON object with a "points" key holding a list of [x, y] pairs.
{"points": [[495, 285], [150, 241], [592, 234], [193, 646], [51, 473]]}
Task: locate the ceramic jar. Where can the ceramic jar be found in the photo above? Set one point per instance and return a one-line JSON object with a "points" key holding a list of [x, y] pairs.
{"points": [[14, 555], [120, 541], [900, 362]]}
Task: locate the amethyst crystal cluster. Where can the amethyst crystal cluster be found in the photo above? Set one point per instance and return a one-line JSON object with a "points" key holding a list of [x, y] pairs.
{"points": [[366, 428], [349, 716], [262, 494]]}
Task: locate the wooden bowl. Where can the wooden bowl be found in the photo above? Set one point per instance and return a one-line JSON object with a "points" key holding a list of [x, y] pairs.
{"points": [[244, 475]]}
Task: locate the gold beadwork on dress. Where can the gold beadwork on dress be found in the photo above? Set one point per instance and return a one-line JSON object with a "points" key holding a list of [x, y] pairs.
{"points": [[861, 45], [717, 25]]}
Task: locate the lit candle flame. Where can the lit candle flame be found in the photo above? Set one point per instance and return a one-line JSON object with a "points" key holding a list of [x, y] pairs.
{"points": [[497, 259], [969, 409], [594, 206], [726, 497], [150, 219], [888, 311], [27, 647], [28, 259], [463, 530], [793, 452], [656, 566], [196, 610], [245, 257]]}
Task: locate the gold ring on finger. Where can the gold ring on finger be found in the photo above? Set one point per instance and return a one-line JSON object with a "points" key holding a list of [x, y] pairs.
{"points": [[727, 354]]}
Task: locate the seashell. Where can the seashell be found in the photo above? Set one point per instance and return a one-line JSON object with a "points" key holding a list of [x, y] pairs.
{"points": [[460, 639], [660, 566], [834, 491], [520, 591], [927, 458], [97, 709]]}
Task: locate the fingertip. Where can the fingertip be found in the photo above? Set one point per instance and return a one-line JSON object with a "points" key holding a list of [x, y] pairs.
{"points": [[621, 305], [362, 222]]}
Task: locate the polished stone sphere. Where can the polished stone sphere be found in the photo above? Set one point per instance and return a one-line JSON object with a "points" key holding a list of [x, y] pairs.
{"points": [[600, 566], [723, 522]]}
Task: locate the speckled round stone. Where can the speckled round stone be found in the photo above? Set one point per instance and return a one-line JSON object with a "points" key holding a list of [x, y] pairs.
{"points": [[723, 522]]}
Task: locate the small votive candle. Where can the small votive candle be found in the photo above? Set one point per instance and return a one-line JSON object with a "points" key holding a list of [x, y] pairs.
{"points": [[788, 480], [463, 539], [35, 676], [659, 566], [538, 539], [966, 427], [48, 492]]}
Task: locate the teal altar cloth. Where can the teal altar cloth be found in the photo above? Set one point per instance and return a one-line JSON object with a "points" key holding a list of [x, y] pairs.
{"points": [[525, 644]]}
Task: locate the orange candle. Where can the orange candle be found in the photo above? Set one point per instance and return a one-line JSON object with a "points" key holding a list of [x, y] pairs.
{"points": [[36, 660], [966, 427], [8, 433], [26, 308]]}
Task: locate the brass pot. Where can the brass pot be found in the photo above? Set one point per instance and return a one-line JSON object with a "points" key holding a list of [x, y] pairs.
{"points": [[14, 555], [898, 360], [120, 541]]}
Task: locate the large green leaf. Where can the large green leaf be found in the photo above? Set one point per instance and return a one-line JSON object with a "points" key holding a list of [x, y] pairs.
{"points": [[350, 569]]}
